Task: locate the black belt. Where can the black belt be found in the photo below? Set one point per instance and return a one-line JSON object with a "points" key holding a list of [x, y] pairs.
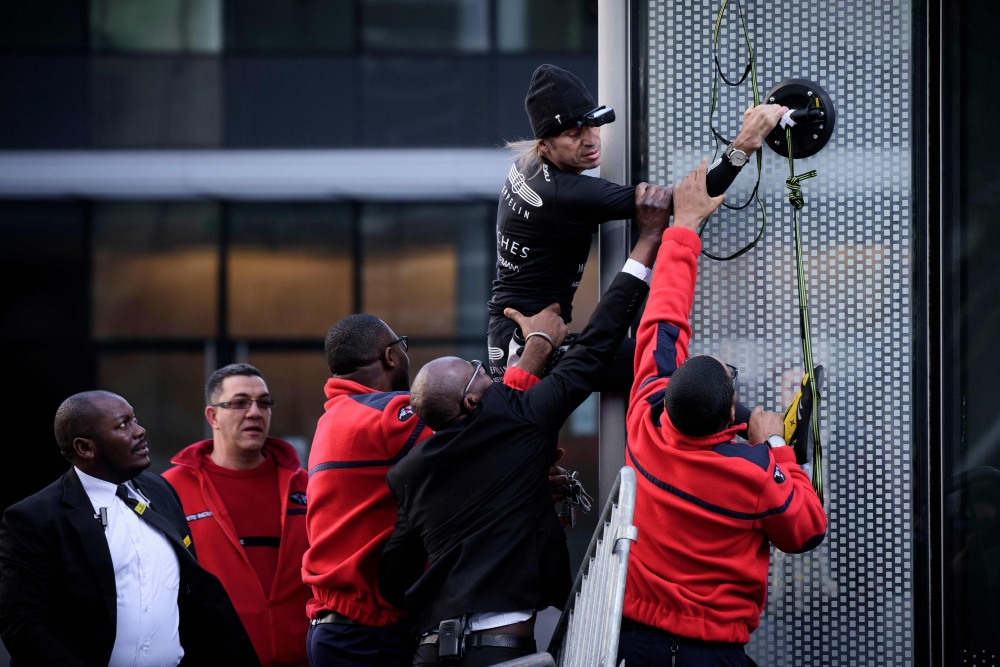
{"points": [[629, 624], [331, 617], [482, 640]]}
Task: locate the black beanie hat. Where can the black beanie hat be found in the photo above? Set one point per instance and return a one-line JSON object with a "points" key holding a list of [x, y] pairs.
{"points": [[556, 100]]}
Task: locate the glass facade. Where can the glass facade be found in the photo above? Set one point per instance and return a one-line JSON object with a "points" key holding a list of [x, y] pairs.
{"points": [[851, 600], [969, 500], [121, 74]]}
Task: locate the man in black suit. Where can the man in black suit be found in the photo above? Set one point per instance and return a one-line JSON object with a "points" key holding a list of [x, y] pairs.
{"points": [[98, 568], [473, 499]]}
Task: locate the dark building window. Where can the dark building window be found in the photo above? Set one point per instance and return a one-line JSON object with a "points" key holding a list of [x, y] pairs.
{"points": [[291, 271], [155, 270], [171, 26], [267, 26], [426, 25], [546, 25]]}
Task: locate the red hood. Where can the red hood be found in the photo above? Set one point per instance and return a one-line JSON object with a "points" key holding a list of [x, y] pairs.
{"points": [[284, 455], [681, 441]]}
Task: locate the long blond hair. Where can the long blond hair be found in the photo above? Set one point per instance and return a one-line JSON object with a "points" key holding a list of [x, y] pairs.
{"points": [[527, 156]]}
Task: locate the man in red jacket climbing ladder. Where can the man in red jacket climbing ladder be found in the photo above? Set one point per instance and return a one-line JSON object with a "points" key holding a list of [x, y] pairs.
{"points": [[707, 507]]}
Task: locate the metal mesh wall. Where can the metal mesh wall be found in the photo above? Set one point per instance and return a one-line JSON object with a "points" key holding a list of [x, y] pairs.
{"points": [[848, 602]]}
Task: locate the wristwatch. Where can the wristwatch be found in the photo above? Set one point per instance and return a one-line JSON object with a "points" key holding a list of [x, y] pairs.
{"points": [[774, 441], [736, 157]]}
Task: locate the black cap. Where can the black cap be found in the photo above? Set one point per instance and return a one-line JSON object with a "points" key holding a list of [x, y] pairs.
{"points": [[556, 100]]}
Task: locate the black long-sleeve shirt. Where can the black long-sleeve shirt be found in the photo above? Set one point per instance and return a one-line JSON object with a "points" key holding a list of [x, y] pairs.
{"points": [[474, 500], [545, 226]]}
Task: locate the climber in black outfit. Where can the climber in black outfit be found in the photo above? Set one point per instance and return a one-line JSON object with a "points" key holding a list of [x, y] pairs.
{"points": [[549, 210]]}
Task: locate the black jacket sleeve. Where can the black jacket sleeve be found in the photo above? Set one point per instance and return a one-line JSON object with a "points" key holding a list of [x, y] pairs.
{"points": [[403, 560], [551, 401], [25, 561], [595, 199]]}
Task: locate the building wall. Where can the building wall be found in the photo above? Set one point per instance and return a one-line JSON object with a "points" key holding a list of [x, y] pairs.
{"points": [[851, 600], [187, 183]]}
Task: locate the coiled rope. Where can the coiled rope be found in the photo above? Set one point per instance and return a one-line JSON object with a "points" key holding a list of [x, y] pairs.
{"points": [[795, 198]]}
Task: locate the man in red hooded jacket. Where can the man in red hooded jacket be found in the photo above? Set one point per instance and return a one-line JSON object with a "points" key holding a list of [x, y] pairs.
{"points": [[244, 495], [368, 426], [707, 507]]}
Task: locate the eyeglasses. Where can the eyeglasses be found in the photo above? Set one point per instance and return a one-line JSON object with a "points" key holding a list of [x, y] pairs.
{"points": [[477, 369], [402, 340], [735, 372], [244, 404]]}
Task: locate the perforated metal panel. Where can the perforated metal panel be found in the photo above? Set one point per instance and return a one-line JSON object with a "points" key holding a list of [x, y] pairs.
{"points": [[850, 601]]}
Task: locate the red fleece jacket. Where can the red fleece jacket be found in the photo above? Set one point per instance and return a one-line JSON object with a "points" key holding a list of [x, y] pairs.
{"points": [[351, 513], [276, 619], [706, 508]]}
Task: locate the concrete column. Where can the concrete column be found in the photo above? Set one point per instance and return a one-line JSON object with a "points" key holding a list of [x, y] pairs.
{"points": [[613, 87]]}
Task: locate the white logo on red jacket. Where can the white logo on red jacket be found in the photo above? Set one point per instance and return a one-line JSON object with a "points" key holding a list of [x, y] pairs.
{"points": [[405, 412]]}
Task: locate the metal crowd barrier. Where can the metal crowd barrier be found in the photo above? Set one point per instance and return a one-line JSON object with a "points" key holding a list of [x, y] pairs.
{"points": [[587, 632]]}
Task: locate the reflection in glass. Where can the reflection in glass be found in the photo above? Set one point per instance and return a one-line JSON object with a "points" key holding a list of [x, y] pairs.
{"points": [[411, 268], [295, 381], [155, 102], [546, 25], [290, 269], [426, 25], [155, 270], [280, 25], [53, 24], [166, 390], [972, 452], [163, 25]]}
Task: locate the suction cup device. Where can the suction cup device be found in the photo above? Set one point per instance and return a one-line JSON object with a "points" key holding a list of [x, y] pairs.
{"points": [[813, 113]]}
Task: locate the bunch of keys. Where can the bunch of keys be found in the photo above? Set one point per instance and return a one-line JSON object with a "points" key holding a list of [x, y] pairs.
{"points": [[576, 497]]}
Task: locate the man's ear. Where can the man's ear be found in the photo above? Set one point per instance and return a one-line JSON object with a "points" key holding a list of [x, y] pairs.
{"points": [[545, 146], [84, 449], [211, 415], [732, 415], [389, 360], [470, 403]]}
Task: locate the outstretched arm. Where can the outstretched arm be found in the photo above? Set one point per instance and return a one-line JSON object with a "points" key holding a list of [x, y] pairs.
{"points": [[757, 124], [554, 398], [664, 330]]}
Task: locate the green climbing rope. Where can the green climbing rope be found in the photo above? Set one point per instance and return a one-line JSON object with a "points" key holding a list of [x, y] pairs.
{"points": [[751, 71], [794, 185]]}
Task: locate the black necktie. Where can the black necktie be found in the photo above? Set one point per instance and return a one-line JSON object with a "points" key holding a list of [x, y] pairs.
{"points": [[152, 518]]}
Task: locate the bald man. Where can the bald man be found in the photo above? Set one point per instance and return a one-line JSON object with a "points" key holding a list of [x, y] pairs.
{"points": [[99, 569], [473, 500]]}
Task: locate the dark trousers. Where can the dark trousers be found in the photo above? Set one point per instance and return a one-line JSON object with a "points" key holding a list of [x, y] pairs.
{"points": [[643, 646], [427, 656], [616, 377], [342, 645]]}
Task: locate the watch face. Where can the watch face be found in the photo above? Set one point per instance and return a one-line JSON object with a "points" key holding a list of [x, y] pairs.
{"points": [[775, 441], [737, 158]]}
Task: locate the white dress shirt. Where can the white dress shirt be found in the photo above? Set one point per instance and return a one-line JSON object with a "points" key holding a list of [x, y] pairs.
{"points": [[147, 579]]}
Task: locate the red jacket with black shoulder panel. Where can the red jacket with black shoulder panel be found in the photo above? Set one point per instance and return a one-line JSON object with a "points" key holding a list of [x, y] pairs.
{"points": [[275, 620], [351, 513], [706, 508]]}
